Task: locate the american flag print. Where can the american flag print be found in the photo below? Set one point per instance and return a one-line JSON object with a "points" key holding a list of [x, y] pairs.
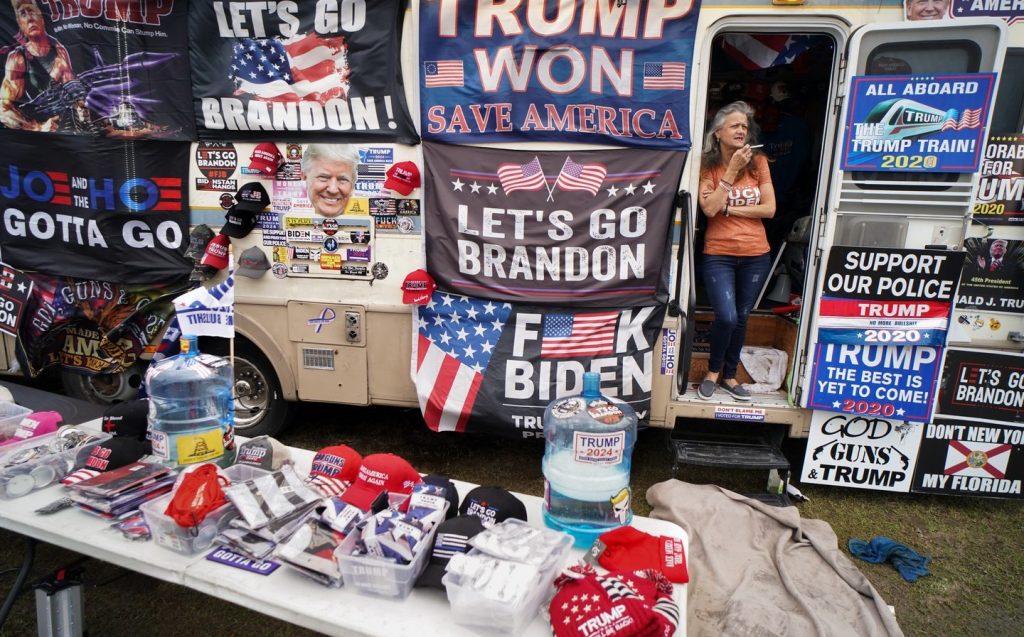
{"points": [[528, 176], [755, 51], [970, 119], [303, 68], [440, 73], [574, 176], [572, 335], [456, 337], [665, 75]]}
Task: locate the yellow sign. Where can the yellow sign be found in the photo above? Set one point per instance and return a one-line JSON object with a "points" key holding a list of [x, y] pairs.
{"points": [[330, 261], [280, 254], [291, 222], [358, 206], [194, 448]]}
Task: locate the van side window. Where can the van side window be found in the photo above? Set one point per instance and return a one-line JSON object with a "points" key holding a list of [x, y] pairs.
{"points": [[1008, 114]]}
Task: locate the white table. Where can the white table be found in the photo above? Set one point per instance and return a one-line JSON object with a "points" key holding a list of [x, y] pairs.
{"points": [[284, 594]]}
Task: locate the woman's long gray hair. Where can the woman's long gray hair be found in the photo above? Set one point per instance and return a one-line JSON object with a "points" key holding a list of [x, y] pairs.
{"points": [[711, 155]]}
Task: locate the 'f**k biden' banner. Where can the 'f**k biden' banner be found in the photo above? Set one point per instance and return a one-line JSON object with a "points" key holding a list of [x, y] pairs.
{"points": [[581, 228]]}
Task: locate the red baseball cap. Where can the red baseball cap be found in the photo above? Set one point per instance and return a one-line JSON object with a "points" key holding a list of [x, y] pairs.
{"points": [[216, 255], [334, 470], [630, 549], [378, 473], [417, 287], [403, 177], [266, 158]]}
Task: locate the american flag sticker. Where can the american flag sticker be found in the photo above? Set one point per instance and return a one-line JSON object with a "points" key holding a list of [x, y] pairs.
{"points": [[665, 75], [440, 73], [572, 335]]}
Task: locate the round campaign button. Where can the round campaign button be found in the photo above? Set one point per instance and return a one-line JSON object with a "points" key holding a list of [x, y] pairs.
{"points": [[19, 484], [43, 476]]}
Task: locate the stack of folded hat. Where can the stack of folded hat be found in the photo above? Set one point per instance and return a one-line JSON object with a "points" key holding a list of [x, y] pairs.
{"points": [[621, 603], [356, 488]]}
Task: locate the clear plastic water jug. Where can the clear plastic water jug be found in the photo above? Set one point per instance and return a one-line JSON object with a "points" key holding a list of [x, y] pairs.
{"points": [[588, 451], [191, 411]]}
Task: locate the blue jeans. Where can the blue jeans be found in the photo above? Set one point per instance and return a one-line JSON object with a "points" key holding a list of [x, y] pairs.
{"points": [[732, 285]]}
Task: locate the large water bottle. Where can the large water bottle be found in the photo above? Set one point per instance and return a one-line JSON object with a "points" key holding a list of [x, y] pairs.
{"points": [[191, 412], [587, 455]]}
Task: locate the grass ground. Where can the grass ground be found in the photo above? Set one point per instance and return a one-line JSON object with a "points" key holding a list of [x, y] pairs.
{"points": [[977, 569]]}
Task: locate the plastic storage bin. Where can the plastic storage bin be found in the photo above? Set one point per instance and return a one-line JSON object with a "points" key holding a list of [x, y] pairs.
{"points": [[376, 576], [472, 609], [10, 416], [33, 464], [189, 540]]}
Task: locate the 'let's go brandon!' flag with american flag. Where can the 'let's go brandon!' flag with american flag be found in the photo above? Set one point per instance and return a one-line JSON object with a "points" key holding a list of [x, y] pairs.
{"points": [[580, 228], [300, 71], [489, 366]]}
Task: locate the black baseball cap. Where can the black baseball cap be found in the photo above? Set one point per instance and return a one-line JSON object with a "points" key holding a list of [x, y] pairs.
{"points": [[238, 222], [197, 240], [252, 197], [107, 456], [452, 537], [451, 494], [129, 418], [492, 505]]}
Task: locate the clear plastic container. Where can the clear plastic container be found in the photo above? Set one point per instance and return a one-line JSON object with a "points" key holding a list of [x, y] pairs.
{"points": [[588, 451], [191, 410], [37, 463], [472, 609], [375, 576], [10, 417]]}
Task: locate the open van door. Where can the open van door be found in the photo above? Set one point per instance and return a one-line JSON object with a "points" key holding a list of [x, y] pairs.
{"points": [[903, 175]]}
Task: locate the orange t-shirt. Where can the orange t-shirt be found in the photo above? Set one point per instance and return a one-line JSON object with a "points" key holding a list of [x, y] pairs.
{"points": [[738, 236]]}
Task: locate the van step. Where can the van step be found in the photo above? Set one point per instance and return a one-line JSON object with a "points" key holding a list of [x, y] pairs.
{"points": [[729, 455]]}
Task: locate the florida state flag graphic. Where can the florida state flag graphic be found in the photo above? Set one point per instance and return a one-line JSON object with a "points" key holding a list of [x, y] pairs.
{"points": [[979, 459]]}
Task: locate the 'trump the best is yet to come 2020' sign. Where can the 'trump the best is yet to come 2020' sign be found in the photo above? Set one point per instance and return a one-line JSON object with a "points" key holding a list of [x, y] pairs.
{"points": [[917, 123]]}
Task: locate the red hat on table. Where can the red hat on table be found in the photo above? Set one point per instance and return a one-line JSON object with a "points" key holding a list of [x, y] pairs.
{"points": [[629, 549], [334, 470], [379, 473]]}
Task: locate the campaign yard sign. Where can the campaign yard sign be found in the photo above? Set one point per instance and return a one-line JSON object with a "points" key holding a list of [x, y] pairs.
{"points": [[999, 196], [582, 228], [970, 457], [888, 296], [1008, 10], [862, 452], [983, 384], [592, 71], [299, 71], [905, 123], [875, 380], [15, 290], [491, 367]]}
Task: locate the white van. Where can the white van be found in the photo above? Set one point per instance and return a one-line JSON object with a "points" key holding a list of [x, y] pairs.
{"points": [[311, 336]]}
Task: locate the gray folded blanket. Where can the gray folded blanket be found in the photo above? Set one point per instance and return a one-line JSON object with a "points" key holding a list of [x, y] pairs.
{"points": [[761, 571]]}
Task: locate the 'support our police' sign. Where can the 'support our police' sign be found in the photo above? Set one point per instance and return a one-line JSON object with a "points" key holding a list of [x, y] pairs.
{"points": [[888, 296], [874, 380], [917, 123]]}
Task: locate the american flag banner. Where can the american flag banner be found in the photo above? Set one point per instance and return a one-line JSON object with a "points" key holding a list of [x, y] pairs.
{"points": [[665, 75], [755, 51], [528, 176], [574, 176], [443, 73], [302, 68], [575, 335], [456, 337]]}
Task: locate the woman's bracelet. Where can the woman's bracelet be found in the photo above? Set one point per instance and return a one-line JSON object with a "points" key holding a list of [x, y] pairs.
{"points": [[724, 185]]}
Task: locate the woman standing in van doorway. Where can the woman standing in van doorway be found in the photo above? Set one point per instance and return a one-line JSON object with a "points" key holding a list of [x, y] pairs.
{"points": [[736, 193]]}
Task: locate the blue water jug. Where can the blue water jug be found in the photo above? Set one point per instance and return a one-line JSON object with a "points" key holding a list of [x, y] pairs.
{"points": [[191, 411], [587, 456]]}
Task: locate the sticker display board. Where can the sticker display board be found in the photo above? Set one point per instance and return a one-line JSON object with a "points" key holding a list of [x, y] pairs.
{"points": [[970, 457], [905, 123], [888, 296], [862, 452], [876, 380]]}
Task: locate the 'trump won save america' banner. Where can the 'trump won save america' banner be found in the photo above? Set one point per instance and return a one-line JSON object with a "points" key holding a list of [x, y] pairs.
{"points": [[78, 210], [299, 71], [587, 228], [591, 71]]}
